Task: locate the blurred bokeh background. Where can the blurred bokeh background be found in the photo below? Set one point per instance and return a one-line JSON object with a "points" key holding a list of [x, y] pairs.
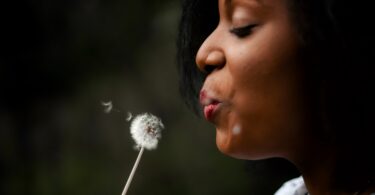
{"points": [[60, 59]]}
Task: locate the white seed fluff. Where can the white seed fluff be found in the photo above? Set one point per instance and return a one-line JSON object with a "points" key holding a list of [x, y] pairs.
{"points": [[107, 106], [129, 116], [146, 130]]}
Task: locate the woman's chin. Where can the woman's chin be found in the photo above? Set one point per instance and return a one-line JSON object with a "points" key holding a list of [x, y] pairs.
{"points": [[222, 142], [227, 144], [232, 145]]}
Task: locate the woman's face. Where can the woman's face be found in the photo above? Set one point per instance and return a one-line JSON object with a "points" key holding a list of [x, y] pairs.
{"points": [[253, 92]]}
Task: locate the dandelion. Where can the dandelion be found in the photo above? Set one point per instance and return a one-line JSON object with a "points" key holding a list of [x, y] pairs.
{"points": [[146, 132]]}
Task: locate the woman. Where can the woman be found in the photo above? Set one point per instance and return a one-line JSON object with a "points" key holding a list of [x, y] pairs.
{"points": [[286, 78]]}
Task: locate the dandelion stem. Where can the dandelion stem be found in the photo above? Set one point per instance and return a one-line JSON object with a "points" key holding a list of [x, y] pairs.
{"points": [[133, 171]]}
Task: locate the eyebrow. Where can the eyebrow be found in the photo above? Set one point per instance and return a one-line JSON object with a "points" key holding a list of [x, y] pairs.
{"points": [[228, 3]]}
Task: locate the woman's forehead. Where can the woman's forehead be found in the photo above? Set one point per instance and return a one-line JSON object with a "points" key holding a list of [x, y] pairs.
{"points": [[256, 6], [230, 4], [252, 3]]}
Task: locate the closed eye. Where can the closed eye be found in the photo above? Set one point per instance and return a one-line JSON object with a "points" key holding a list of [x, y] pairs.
{"points": [[242, 31]]}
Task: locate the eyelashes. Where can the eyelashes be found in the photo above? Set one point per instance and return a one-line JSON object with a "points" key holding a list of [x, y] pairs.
{"points": [[244, 31]]}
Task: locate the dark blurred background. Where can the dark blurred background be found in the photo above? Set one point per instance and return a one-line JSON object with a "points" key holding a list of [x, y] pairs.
{"points": [[60, 59]]}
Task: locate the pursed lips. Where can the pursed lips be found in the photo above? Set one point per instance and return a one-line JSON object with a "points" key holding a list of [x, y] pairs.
{"points": [[210, 105]]}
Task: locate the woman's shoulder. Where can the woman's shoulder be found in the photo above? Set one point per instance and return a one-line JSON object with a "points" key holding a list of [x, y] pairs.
{"points": [[294, 186]]}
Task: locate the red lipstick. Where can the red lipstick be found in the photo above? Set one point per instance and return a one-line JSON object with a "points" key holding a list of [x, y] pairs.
{"points": [[209, 104], [210, 109]]}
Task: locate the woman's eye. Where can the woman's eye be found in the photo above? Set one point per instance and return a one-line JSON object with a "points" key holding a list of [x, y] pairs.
{"points": [[242, 31]]}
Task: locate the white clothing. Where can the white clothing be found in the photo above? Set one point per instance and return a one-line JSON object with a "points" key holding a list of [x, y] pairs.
{"points": [[294, 186]]}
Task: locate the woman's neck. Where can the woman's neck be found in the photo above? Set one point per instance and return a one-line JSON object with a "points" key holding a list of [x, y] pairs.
{"points": [[317, 170]]}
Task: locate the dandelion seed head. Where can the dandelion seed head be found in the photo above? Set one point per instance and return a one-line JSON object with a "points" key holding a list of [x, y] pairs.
{"points": [[107, 106], [236, 129], [146, 130]]}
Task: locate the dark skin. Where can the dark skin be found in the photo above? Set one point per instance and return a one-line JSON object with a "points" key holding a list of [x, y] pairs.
{"points": [[254, 93]]}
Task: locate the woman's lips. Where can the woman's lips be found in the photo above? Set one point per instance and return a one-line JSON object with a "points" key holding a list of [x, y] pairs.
{"points": [[210, 106], [210, 110]]}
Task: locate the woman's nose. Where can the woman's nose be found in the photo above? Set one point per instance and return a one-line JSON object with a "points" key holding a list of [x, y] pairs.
{"points": [[210, 55]]}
